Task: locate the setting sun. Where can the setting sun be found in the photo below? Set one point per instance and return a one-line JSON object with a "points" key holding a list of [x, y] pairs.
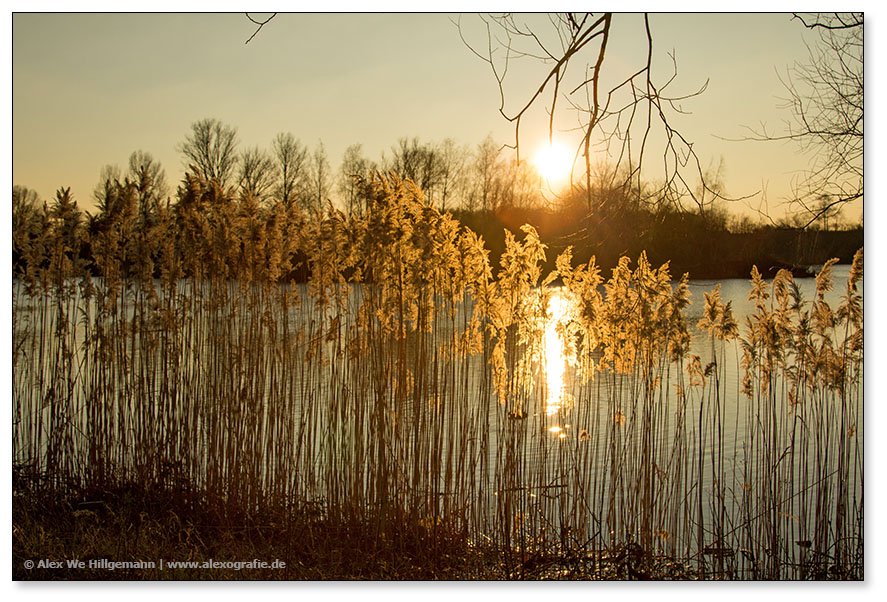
{"points": [[554, 162]]}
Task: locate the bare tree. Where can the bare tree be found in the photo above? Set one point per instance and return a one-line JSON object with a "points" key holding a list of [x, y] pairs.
{"points": [[355, 169], [487, 175], [825, 99], [25, 204], [827, 212], [211, 149], [318, 185], [713, 195], [292, 164], [417, 162], [619, 113], [524, 185], [109, 181], [148, 176], [257, 173], [451, 171], [405, 160], [27, 214]]}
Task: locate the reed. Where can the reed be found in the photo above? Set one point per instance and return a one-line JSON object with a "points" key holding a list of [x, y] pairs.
{"points": [[405, 393]]}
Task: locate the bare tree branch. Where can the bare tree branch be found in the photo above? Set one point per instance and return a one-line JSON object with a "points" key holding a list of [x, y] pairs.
{"points": [[826, 105], [842, 21], [621, 119], [259, 24]]}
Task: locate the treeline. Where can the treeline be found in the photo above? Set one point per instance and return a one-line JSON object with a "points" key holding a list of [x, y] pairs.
{"points": [[260, 199], [705, 245]]}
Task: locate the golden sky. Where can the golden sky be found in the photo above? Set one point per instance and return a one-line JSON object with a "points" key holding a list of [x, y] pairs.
{"points": [[89, 89]]}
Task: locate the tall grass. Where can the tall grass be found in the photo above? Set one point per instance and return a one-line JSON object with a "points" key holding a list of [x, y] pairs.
{"points": [[402, 390]]}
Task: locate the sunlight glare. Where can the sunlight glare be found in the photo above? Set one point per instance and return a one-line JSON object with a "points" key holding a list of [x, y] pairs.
{"points": [[554, 162], [555, 362]]}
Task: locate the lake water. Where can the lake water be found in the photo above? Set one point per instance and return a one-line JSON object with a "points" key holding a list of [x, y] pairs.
{"points": [[650, 458]]}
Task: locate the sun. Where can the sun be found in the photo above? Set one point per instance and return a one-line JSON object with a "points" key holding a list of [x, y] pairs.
{"points": [[554, 162]]}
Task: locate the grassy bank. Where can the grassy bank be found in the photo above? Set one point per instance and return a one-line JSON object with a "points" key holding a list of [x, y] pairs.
{"points": [[130, 524]]}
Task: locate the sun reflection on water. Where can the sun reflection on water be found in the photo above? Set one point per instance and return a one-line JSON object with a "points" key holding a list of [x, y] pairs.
{"points": [[555, 360]]}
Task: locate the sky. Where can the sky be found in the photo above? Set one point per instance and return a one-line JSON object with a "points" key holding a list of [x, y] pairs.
{"points": [[89, 89]]}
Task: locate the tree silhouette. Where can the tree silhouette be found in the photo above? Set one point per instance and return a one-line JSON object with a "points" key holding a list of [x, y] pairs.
{"points": [[355, 168], [211, 149], [149, 178], [318, 185], [256, 173], [825, 99], [292, 164]]}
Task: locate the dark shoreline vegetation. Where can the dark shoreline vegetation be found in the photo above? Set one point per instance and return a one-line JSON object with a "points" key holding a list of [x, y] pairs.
{"points": [[705, 246], [359, 396]]}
